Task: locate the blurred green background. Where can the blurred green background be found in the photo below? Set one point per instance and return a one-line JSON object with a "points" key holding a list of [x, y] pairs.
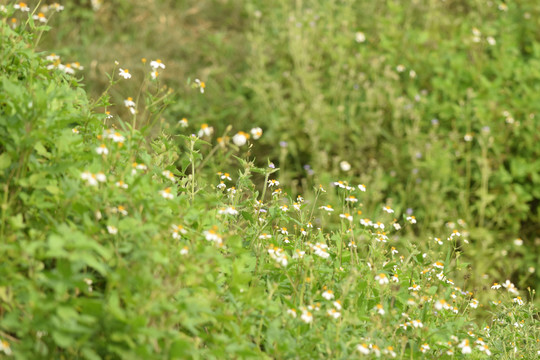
{"points": [[434, 103]]}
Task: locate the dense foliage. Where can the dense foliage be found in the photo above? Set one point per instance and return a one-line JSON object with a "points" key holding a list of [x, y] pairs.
{"points": [[432, 102], [127, 233]]}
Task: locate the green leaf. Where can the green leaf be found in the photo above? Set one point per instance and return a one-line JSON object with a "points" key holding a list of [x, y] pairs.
{"points": [[63, 340], [247, 215], [89, 354], [40, 149], [180, 349], [53, 189], [5, 161]]}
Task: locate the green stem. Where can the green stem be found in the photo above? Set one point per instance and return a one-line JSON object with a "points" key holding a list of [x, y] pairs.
{"points": [[292, 284], [42, 31], [266, 176], [33, 13], [314, 203], [192, 159]]}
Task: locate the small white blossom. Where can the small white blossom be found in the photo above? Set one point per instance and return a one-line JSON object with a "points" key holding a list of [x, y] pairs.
{"points": [[206, 130], [178, 231], [360, 37], [112, 230], [201, 85], [52, 57], [57, 7], [484, 348], [102, 150], [346, 216], [256, 133], [279, 255], [345, 166], [320, 250], [157, 64], [417, 324], [388, 209], [291, 312], [366, 222], [169, 175], [124, 73], [306, 317], [230, 210], [508, 285], [333, 313], [166, 193], [129, 103], [411, 219], [465, 347], [116, 137], [40, 17], [240, 138], [328, 294], [4, 345], [363, 348], [518, 300], [184, 122], [213, 236], [21, 6], [382, 279], [121, 184], [100, 176]]}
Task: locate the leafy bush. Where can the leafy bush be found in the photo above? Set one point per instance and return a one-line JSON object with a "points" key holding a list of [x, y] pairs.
{"points": [[123, 242], [432, 104]]}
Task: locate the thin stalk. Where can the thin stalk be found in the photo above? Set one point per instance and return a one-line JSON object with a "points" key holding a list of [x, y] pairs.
{"points": [[214, 149], [292, 284], [192, 160]]}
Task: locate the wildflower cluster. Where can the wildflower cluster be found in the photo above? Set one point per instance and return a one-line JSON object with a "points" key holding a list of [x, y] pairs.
{"points": [[103, 222], [239, 139], [68, 68]]}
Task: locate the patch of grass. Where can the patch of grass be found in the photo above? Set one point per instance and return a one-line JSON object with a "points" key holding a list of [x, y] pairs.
{"points": [[128, 238], [433, 103]]}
